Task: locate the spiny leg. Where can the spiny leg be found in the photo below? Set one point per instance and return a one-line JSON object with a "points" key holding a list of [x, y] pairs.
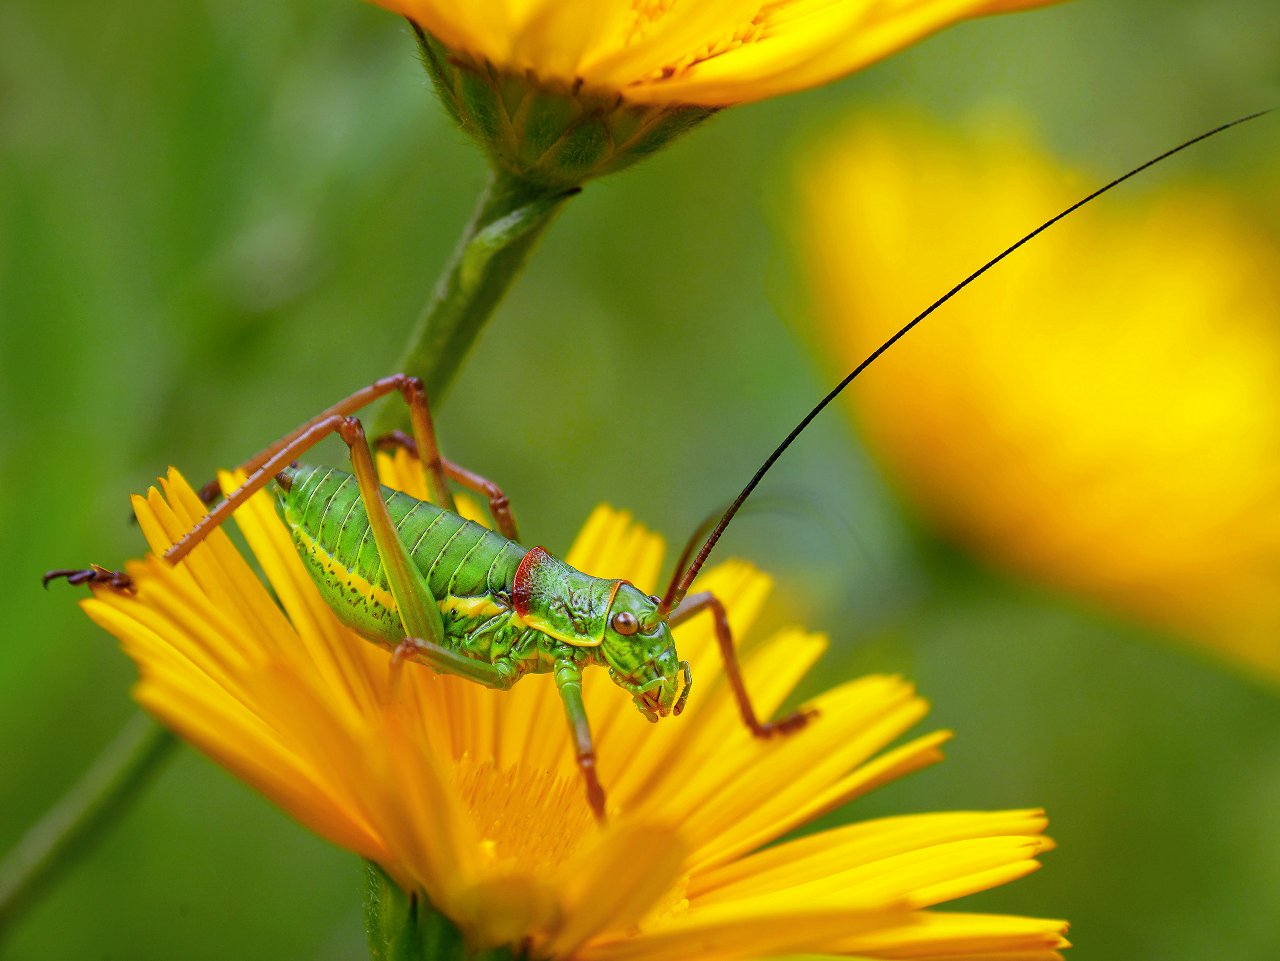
{"points": [[568, 678], [264, 466], [211, 491], [499, 503], [424, 432], [270, 461], [694, 604], [415, 397], [283, 453]]}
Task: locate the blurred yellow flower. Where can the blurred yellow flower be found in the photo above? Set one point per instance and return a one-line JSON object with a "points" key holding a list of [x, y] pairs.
{"points": [[1101, 413], [559, 91], [471, 796]]}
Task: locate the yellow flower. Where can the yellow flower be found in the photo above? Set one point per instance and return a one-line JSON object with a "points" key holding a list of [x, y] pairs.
{"points": [[1102, 412], [711, 53], [472, 798], [621, 77]]}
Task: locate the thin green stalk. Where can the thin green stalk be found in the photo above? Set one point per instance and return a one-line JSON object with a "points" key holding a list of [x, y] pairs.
{"points": [[509, 219], [69, 829]]}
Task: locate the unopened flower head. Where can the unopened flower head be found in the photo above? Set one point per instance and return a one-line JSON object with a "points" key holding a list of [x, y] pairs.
{"points": [[1102, 411], [562, 90], [471, 798]]}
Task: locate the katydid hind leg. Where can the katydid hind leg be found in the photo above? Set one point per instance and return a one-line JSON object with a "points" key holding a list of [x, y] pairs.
{"points": [[419, 613], [279, 456], [415, 397], [444, 661], [787, 724], [269, 461], [211, 491], [316, 431]]}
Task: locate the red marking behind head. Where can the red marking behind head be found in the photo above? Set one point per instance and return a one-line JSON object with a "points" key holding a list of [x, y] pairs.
{"points": [[522, 583]]}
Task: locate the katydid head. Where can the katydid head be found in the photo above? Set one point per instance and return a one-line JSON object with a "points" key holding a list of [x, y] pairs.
{"points": [[640, 653], [623, 625]]}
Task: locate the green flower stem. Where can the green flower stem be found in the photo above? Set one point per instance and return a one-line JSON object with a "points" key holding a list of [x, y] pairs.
{"points": [[402, 927], [68, 829], [509, 219]]}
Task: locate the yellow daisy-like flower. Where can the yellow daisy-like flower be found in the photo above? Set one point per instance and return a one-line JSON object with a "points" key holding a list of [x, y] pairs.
{"points": [[560, 91], [710, 53], [1102, 412], [471, 797]]}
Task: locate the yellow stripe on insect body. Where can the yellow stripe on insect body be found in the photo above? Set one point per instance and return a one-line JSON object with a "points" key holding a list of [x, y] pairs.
{"points": [[342, 574], [471, 606], [462, 607]]}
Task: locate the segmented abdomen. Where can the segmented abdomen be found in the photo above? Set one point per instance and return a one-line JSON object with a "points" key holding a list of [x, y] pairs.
{"points": [[459, 558]]}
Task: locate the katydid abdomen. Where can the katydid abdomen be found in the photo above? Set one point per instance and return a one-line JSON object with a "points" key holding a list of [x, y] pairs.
{"points": [[469, 568]]}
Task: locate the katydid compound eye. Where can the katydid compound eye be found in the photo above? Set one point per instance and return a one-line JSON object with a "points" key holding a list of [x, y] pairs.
{"points": [[625, 623]]}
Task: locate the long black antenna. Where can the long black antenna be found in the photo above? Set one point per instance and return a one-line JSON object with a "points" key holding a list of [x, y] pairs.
{"points": [[680, 583]]}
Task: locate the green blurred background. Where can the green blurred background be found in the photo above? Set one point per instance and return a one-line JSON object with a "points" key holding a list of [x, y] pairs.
{"points": [[217, 217]]}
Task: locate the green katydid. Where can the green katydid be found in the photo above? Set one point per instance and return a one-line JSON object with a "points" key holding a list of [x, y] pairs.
{"points": [[433, 587]]}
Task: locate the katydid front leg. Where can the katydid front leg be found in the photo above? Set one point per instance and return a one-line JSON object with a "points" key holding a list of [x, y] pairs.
{"points": [[94, 574], [706, 601], [568, 677]]}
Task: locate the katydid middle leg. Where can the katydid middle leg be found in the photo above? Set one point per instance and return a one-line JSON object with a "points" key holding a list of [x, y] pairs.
{"points": [[706, 601], [499, 503]]}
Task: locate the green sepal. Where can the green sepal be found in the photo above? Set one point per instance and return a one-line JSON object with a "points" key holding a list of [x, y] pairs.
{"points": [[544, 122], [480, 106], [405, 927], [551, 134]]}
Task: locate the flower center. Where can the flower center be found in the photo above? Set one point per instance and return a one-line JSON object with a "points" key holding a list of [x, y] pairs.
{"points": [[526, 816]]}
